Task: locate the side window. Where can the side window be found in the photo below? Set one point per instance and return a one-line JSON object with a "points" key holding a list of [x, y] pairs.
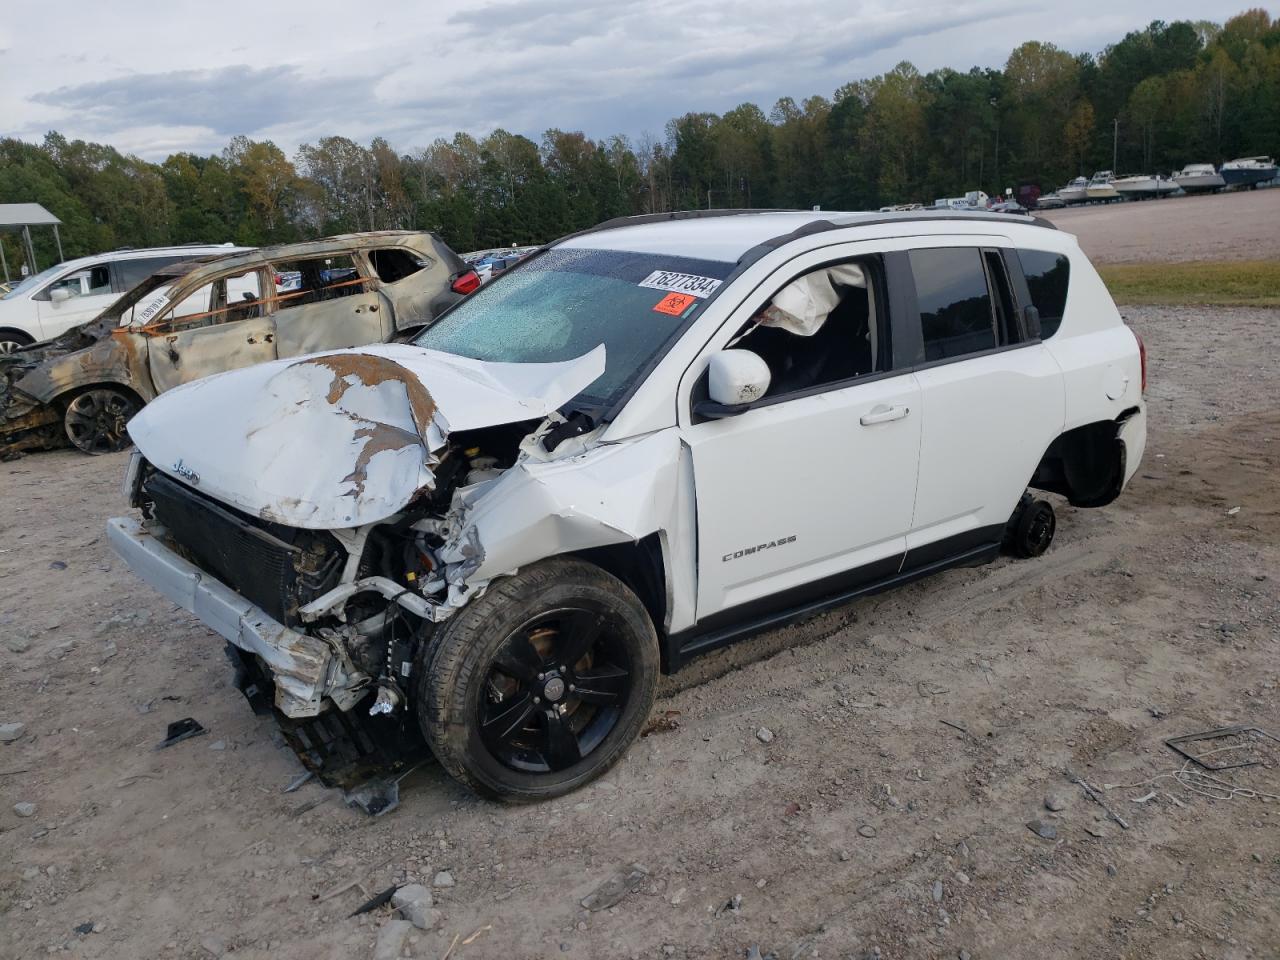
{"points": [[301, 282], [74, 285], [956, 316], [824, 327], [83, 283], [1048, 276], [396, 263], [225, 300], [99, 280]]}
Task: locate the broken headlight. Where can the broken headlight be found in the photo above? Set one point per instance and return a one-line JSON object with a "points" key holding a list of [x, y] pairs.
{"points": [[133, 476]]}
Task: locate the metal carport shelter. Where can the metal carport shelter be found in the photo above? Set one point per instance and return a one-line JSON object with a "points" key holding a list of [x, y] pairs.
{"points": [[26, 216]]}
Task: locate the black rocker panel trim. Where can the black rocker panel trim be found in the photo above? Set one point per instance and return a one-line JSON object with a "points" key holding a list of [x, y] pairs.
{"points": [[745, 620]]}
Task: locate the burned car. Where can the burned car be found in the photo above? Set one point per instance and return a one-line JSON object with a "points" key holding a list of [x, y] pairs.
{"points": [[198, 317], [644, 442]]}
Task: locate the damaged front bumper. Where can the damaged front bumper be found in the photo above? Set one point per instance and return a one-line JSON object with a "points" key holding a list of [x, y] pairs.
{"points": [[306, 670]]}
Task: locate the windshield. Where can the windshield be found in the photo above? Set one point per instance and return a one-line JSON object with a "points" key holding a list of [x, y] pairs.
{"points": [[34, 281], [566, 302]]}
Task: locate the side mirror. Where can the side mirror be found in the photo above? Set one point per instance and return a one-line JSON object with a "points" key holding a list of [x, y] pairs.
{"points": [[59, 294], [735, 380], [1031, 320]]}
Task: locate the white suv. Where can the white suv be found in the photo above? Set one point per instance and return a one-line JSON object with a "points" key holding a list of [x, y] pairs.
{"points": [[53, 301], [646, 441]]}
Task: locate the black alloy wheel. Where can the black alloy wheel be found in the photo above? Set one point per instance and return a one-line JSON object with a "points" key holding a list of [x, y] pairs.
{"points": [[556, 689], [539, 685], [1034, 529], [95, 420]]}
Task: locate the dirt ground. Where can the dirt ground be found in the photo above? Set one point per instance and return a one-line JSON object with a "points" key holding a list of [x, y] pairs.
{"points": [[1227, 226], [915, 735]]}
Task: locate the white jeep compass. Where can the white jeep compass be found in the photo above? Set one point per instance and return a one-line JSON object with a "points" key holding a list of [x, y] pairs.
{"points": [[646, 441]]}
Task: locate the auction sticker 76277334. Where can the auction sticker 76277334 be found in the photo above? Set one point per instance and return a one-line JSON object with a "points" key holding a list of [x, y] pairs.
{"points": [[681, 283]]}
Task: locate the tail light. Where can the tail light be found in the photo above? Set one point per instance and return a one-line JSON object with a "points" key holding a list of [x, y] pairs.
{"points": [[1142, 356], [465, 283]]}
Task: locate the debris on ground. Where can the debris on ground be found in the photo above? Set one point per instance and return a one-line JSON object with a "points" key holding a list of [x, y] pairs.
{"points": [[391, 938], [1055, 802], [662, 722], [625, 881], [180, 730], [764, 735], [10, 732], [443, 879], [867, 830], [25, 809], [1045, 831], [373, 903], [414, 903]]}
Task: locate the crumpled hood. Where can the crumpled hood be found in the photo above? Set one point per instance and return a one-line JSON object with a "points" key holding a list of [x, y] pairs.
{"points": [[345, 438]]}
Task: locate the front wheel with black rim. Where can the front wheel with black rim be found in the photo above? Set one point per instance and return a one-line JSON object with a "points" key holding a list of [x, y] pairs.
{"points": [[95, 419], [538, 686]]}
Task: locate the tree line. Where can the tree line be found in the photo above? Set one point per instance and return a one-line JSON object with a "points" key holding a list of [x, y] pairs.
{"points": [[1171, 94]]}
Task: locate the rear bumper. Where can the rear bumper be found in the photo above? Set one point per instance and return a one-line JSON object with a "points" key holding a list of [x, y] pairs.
{"points": [[306, 670]]}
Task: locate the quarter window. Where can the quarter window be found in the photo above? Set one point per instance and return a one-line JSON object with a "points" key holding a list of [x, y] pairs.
{"points": [[396, 263], [1048, 275], [956, 314]]}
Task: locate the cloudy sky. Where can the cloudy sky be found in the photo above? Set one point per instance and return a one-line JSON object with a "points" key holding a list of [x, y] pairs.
{"points": [[152, 78]]}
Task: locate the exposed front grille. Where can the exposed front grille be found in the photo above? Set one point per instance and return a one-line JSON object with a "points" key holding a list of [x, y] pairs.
{"points": [[250, 556]]}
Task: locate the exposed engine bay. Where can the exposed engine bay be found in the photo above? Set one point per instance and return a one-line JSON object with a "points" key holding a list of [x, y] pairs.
{"points": [[379, 623]]}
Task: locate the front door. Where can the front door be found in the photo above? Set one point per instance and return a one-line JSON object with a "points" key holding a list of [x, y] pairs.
{"points": [[222, 326], [79, 297], [810, 491], [325, 303]]}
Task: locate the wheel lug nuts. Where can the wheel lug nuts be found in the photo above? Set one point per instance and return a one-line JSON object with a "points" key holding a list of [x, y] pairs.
{"points": [[572, 688], [541, 676], [537, 699]]}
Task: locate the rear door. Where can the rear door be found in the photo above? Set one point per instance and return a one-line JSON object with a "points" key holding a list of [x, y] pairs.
{"points": [[326, 303], [221, 326], [991, 395]]}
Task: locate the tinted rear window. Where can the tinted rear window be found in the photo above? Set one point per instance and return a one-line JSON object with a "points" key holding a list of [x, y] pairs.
{"points": [[1047, 276], [955, 305]]}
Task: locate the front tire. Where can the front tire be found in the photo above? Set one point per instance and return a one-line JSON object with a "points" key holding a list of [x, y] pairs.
{"points": [[95, 419], [540, 685]]}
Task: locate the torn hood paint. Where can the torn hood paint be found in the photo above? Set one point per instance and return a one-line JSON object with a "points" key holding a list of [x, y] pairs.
{"points": [[345, 438]]}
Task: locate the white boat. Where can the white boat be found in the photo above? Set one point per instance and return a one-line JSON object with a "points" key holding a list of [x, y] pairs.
{"points": [[1199, 178], [1143, 186], [1249, 171], [1100, 187], [1075, 191]]}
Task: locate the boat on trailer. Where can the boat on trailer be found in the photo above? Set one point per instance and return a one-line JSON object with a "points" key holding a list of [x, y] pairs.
{"points": [[1249, 171], [1076, 191], [1199, 178], [1100, 186], [1143, 186]]}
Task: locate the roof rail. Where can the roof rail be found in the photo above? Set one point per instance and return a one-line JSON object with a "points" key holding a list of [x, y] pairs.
{"points": [[643, 218]]}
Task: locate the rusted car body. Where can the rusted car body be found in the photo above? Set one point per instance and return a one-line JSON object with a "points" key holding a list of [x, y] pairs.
{"points": [[193, 319]]}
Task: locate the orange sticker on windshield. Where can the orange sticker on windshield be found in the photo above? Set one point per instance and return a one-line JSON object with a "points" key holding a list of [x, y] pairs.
{"points": [[674, 303]]}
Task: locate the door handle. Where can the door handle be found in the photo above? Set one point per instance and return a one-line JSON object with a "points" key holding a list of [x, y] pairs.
{"points": [[883, 413]]}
